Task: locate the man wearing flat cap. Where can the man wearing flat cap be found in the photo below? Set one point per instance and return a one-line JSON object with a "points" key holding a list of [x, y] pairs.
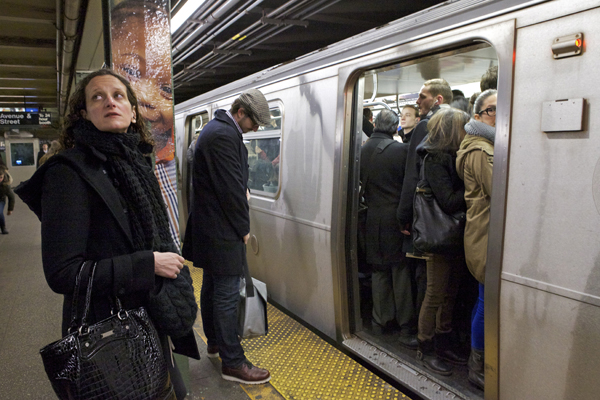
{"points": [[220, 227]]}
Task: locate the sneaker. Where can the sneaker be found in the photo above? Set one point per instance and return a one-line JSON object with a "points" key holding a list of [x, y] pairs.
{"points": [[246, 373], [212, 351]]}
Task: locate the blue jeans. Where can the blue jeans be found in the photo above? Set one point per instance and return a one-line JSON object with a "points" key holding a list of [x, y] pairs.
{"points": [[477, 327], [2, 222], [219, 308]]}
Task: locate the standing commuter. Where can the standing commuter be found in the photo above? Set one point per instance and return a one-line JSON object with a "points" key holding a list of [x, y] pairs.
{"points": [[434, 94], [444, 271], [489, 80], [367, 121], [41, 153], [98, 200], [221, 228], [409, 118], [54, 148], [5, 192], [382, 171], [474, 165]]}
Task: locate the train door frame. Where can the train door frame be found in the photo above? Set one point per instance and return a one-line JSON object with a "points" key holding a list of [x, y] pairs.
{"points": [[185, 172], [501, 36]]}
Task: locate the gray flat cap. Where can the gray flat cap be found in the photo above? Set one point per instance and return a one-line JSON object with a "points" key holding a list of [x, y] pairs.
{"points": [[256, 103]]}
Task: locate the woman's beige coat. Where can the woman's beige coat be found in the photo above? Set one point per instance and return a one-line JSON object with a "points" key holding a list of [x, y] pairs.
{"points": [[474, 164]]}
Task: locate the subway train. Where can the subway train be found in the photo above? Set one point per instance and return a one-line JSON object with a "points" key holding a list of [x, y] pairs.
{"points": [[542, 298]]}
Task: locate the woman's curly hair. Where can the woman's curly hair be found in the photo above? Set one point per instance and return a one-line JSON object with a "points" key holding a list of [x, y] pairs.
{"points": [[77, 103]]}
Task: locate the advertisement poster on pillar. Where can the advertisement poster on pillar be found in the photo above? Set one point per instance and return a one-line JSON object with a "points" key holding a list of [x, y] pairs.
{"points": [[141, 52]]}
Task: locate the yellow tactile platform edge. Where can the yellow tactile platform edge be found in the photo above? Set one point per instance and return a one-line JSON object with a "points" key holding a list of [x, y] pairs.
{"points": [[303, 366]]}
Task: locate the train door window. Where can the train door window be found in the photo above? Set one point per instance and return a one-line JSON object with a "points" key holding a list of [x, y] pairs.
{"points": [[395, 87], [195, 124], [264, 147]]}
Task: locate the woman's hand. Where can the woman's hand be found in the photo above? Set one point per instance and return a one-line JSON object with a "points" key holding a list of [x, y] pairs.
{"points": [[167, 265]]}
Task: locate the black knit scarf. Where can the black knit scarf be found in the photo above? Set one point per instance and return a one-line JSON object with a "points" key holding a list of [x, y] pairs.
{"points": [[136, 183]]}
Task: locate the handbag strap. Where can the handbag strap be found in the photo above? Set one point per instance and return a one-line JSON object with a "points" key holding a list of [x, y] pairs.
{"points": [[421, 189], [88, 299], [381, 146], [75, 303]]}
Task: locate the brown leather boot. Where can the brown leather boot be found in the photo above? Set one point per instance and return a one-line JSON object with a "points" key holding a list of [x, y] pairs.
{"points": [[246, 373]]}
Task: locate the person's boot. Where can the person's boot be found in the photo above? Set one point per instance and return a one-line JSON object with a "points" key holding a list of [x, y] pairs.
{"points": [[3, 230], [476, 366], [426, 357], [447, 350]]}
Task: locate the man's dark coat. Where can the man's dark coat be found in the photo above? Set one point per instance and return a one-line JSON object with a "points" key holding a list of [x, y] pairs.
{"points": [[413, 168], [382, 193], [220, 213]]}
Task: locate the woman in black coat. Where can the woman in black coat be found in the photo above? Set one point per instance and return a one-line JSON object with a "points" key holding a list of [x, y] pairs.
{"points": [[99, 200], [444, 271]]}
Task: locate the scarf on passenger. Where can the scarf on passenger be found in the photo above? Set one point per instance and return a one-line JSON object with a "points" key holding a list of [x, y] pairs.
{"points": [[478, 128], [135, 181]]}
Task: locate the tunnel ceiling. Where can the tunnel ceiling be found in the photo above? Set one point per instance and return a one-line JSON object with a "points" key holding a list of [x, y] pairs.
{"points": [[255, 35]]}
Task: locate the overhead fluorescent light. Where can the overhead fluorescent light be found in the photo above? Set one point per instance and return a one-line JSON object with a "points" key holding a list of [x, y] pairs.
{"points": [[185, 13]]}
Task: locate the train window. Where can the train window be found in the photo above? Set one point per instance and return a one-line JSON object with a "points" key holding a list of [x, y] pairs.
{"points": [[264, 148]]}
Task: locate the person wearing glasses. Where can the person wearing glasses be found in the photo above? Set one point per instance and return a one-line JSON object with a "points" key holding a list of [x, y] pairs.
{"points": [[220, 228], [474, 165]]}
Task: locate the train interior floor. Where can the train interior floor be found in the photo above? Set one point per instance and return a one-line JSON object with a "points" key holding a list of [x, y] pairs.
{"points": [[388, 341], [302, 365]]}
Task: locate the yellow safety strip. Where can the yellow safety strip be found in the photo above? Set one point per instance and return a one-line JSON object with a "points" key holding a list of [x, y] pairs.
{"points": [[304, 366]]}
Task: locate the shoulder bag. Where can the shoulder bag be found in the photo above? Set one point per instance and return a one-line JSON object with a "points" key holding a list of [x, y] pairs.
{"points": [[118, 358], [434, 231]]}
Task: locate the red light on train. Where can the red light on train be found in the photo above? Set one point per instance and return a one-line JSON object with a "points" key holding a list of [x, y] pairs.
{"points": [[578, 43]]}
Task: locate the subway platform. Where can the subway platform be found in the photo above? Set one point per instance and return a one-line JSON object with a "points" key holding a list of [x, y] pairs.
{"points": [[302, 365]]}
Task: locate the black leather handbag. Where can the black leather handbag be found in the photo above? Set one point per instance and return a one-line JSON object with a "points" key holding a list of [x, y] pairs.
{"points": [[117, 358], [434, 231]]}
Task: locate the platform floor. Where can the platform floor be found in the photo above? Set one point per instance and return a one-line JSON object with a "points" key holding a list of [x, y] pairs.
{"points": [[302, 365]]}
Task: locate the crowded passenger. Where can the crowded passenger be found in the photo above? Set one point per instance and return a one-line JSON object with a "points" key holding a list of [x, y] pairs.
{"points": [[444, 271], [475, 165], [381, 175], [41, 153], [434, 95], [409, 118], [367, 121], [458, 101], [489, 80], [98, 200], [220, 225], [5, 193]]}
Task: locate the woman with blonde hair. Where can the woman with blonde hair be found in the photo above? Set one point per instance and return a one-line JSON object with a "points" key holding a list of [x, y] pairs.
{"points": [[54, 148], [444, 271]]}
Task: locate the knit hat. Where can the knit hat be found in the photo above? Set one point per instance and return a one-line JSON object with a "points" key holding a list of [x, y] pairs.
{"points": [[254, 101]]}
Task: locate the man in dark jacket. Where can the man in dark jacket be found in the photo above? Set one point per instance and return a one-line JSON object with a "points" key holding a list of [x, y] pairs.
{"points": [[221, 228], [382, 171], [434, 94]]}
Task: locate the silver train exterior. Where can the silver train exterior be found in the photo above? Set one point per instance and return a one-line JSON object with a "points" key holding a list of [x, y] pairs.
{"points": [[542, 300]]}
